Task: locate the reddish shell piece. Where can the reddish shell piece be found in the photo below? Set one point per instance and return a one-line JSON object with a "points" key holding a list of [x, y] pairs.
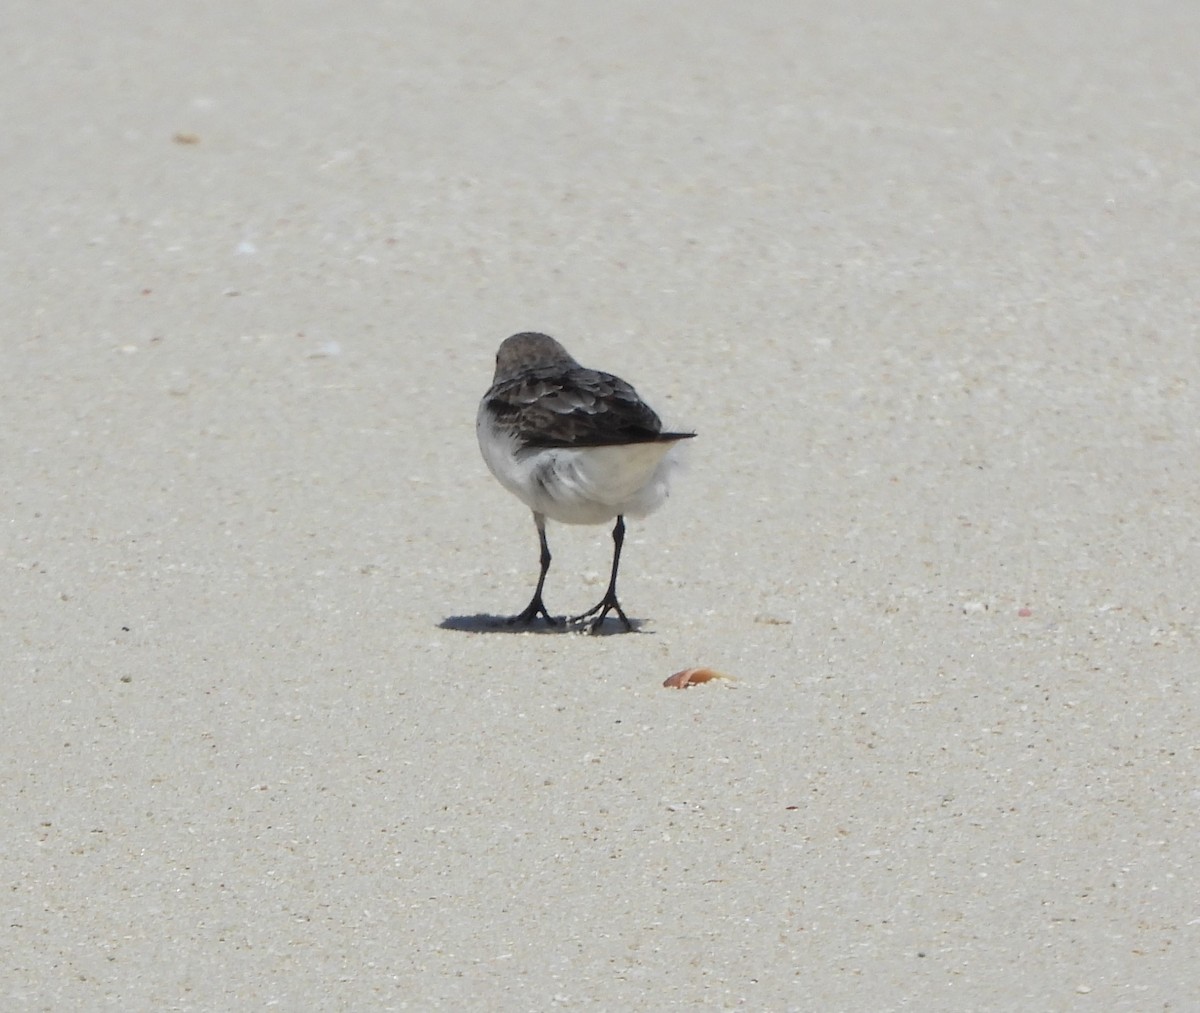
{"points": [[692, 677]]}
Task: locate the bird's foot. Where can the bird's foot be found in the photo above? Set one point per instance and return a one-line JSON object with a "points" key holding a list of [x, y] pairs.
{"points": [[534, 609], [593, 618]]}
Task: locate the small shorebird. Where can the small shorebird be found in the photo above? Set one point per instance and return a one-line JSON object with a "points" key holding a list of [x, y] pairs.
{"points": [[575, 445]]}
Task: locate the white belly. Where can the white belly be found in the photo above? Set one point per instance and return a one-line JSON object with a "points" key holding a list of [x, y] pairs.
{"points": [[585, 485]]}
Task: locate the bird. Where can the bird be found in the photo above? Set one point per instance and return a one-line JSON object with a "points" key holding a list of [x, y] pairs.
{"points": [[575, 445]]}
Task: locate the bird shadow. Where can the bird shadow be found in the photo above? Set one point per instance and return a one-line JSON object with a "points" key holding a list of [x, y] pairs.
{"points": [[484, 622]]}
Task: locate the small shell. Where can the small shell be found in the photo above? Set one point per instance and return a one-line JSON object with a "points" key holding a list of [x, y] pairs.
{"points": [[693, 677]]}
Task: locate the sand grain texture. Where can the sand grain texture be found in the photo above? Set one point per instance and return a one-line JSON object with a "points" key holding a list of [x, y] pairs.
{"points": [[923, 280]]}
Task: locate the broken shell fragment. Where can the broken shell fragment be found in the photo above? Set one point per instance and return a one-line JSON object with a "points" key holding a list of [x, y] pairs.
{"points": [[693, 677]]}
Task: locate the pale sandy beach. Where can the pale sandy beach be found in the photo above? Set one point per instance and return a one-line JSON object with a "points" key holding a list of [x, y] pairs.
{"points": [[922, 277]]}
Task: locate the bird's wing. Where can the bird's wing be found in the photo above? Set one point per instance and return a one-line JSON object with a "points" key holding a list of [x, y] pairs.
{"points": [[578, 407]]}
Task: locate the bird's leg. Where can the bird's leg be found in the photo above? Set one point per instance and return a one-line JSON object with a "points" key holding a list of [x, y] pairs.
{"points": [[535, 607], [609, 602]]}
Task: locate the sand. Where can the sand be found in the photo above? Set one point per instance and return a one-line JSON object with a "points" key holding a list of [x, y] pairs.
{"points": [[922, 277]]}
